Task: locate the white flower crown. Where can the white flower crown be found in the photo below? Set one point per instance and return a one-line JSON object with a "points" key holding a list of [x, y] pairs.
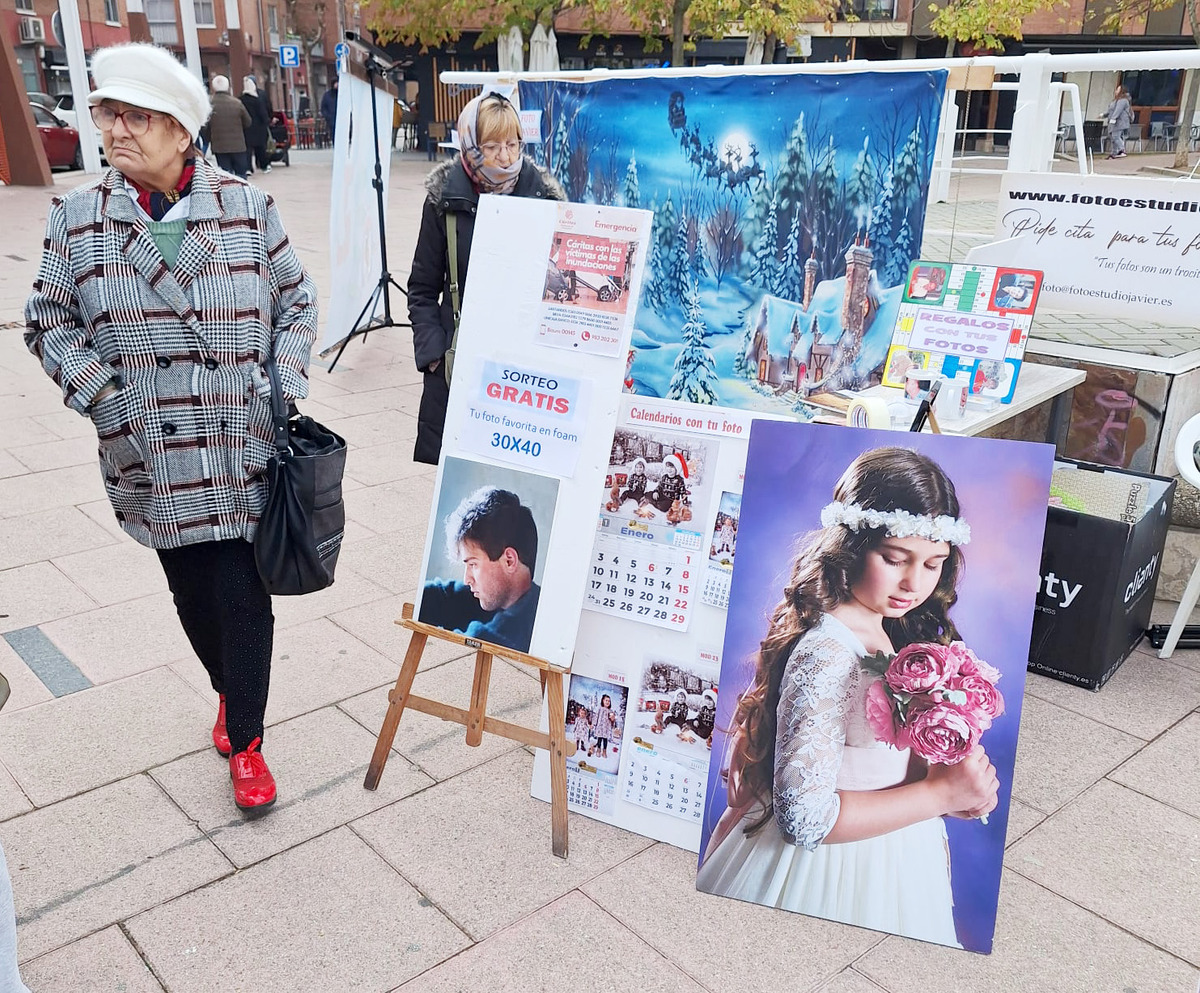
{"points": [[899, 523]]}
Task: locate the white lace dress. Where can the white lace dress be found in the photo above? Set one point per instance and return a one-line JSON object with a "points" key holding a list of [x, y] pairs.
{"points": [[897, 882]]}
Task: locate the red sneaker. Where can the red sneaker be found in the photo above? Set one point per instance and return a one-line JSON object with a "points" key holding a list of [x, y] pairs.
{"points": [[253, 784], [220, 735]]}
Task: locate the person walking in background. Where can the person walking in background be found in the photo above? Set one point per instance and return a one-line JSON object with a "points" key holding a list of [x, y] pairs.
{"points": [[258, 131], [329, 109], [396, 115], [1119, 116], [163, 288], [227, 129], [490, 161]]}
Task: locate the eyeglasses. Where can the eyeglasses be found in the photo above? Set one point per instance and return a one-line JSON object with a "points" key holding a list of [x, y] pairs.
{"points": [[494, 148], [137, 122]]}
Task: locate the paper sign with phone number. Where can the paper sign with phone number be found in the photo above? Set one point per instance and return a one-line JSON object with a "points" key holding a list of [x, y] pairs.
{"points": [[527, 417]]}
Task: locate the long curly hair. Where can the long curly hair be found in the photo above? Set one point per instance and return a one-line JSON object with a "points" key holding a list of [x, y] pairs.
{"points": [[828, 565]]}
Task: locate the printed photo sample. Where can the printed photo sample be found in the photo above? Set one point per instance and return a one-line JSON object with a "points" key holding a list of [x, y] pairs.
{"points": [[927, 283], [485, 566], [657, 479], [1016, 291], [595, 723], [590, 271], [872, 677], [676, 708], [724, 536]]}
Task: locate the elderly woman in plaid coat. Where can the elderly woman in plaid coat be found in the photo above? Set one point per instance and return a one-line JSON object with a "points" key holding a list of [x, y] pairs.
{"points": [[163, 288]]}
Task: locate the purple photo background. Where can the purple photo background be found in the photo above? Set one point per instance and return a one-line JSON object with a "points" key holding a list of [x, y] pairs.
{"points": [[1002, 487]]}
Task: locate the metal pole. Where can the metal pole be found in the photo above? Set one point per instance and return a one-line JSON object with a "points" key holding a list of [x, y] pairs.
{"points": [[191, 41], [77, 67]]}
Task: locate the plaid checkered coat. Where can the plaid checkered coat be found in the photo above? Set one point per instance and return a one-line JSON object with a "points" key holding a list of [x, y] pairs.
{"points": [[185, 441]]}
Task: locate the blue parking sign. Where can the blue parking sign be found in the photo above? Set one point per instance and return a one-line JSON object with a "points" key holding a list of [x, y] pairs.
{"points": [[289, 56]]}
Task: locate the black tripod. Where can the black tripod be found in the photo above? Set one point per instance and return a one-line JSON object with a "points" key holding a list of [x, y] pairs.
{"points": [[385, 278]]}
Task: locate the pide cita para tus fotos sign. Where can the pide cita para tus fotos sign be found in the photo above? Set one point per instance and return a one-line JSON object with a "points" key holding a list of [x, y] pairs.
{"points": [[1117, 245]]}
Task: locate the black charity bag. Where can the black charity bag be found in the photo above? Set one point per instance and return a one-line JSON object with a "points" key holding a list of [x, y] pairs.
{"points": [[300, 532]]}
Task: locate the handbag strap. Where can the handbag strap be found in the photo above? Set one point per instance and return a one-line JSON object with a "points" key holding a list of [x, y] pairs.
{"points": [[455, 302], [279, 412]]}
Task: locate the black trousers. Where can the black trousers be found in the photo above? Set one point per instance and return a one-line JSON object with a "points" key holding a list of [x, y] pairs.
{"points": [[261, 159], [237, 163], [227, 617]]}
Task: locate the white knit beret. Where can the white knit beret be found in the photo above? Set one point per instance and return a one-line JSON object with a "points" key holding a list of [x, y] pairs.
{"points": [[150, 77]]}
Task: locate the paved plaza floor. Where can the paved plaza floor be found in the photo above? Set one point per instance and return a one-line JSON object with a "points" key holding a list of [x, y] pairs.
{"points": [[133, 871]]}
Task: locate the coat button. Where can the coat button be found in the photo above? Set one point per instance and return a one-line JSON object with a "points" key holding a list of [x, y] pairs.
{"points": [[210, 363], [163, 362], [168, 428]]}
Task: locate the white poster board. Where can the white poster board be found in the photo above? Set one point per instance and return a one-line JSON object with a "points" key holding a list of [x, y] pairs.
{"points": [[531, 418], [650, 636], [354, 257], [1122, 246]]}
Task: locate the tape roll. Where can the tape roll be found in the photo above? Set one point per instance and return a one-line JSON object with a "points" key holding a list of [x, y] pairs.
{"points": [[869, 412]]}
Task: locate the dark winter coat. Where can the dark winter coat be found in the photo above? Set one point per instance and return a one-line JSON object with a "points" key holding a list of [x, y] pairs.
{"points": [[256, 133], [448, 188], [227, 126], [329, 110]]}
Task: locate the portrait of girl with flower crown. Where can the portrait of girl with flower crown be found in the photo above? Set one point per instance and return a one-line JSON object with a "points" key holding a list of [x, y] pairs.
{"points": [[878, 635]]}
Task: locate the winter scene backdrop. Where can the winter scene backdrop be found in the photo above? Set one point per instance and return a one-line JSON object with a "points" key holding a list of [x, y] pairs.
{"points": [[786, 212]]}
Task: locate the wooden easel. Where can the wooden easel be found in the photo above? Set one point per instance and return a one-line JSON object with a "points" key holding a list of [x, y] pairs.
{"points": [[475, 718]]}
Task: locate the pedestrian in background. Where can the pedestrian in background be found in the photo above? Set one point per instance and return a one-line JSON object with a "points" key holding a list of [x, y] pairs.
{"points": [[163, 288], [329, 108], [227, 129], [1119, 116], [258, 131], [489, 161]]}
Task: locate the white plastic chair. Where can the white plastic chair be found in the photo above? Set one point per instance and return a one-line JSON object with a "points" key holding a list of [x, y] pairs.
{"points": [[1185, 461]]}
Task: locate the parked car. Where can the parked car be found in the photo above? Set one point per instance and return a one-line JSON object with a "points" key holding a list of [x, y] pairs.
{"points": [[65, 108], [59, 139]]}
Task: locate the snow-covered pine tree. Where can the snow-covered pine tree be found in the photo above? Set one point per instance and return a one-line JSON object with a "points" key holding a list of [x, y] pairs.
{"points": [[882, 230], [679, 274], [743, 363], [791, 275], [906, 179], [764, 272], [903, 252], [860, 189], [633, 195], [695, 376], [562, 150]]}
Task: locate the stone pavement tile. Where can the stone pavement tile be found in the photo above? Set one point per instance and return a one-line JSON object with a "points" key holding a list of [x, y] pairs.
{"points": [[849, 981], [695, 933], [104, 962], [439, 747], [26, 688], [10, 466], [1168, 769], [47, 534], [478, 845], [38, 593], [399, 506], [12, 800], [368, 377], [1163, 612], [569, 945], [39, 396], [1130, 859], [365, 430], [98, 858], [375, 624], [319, 761], [1144, 697], [57, 454], [22, 431], [385, 463], [1043, 943], [392, 560], [123, 638], [118, 571], [332, 914], [113, 731], [1021, 820], [101, 512], [374, 401], [20, 495], [1060, 754], [350, 589]]}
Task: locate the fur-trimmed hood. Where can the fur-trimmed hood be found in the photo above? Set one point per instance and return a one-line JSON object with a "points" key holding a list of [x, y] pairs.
{"points": [[448, 182]]}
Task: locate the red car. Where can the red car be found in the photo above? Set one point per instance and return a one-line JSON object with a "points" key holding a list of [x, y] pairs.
{"points": [[60, 141]]}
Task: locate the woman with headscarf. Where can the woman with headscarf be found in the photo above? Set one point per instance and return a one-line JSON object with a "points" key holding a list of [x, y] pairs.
{"points": [[258, 129], [164, 287], [489, 161]]}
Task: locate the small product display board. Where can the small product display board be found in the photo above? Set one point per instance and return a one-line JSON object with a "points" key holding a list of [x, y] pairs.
{"points": [[528, 425], [963, 321], [642, 699], [838, 695]]}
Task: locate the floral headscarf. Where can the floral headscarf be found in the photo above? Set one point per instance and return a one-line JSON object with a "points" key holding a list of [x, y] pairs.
{"points": [[488, 179]]}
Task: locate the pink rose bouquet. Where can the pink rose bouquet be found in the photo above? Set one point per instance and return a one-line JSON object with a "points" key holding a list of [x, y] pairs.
{"points": [[935, 699]]}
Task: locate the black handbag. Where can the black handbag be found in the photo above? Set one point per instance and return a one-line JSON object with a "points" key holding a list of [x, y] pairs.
{"points": [[300, 532]]}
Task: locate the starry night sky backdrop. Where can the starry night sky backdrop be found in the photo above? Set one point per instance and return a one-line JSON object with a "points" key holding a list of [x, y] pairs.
{"points": [[748, 177]]}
